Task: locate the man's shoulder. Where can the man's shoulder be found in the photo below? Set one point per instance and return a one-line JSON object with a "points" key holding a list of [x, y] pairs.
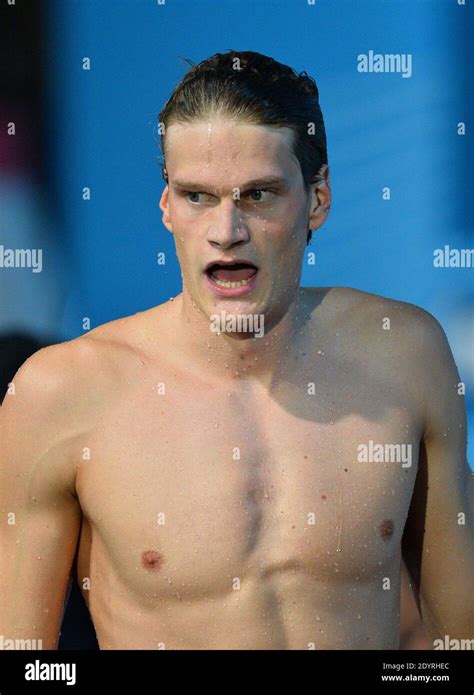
{"points": [[367, 305], [63, 377], [374, 320]]}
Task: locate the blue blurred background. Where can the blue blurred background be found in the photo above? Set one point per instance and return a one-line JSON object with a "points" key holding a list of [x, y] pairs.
{"points": [[96, 128]]}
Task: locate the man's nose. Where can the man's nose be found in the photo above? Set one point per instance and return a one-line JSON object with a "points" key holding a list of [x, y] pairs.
{"points": [[227, 227]]}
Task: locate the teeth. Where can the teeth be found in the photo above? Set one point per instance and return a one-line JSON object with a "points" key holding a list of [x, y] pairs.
{"points": [[223, 283]]}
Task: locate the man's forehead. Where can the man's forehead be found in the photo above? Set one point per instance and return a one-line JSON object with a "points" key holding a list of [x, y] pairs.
{"points": [[230, 127], [239, 152], [228, 140]]}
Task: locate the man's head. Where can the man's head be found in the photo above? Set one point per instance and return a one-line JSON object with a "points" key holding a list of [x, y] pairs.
{"points": [[248, 133]]}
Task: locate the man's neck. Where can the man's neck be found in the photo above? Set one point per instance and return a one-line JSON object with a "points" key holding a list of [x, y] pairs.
{"points": [[241, 356]]}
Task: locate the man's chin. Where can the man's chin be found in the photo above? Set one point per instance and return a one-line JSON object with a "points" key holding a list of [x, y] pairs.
{"points": [[252, 304]]}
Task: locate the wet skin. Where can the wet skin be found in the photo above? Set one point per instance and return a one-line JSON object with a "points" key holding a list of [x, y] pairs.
{"points": [[213, 482]]}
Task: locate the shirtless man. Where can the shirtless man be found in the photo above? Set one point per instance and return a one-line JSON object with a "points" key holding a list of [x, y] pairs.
{"points": [[223, 485]]}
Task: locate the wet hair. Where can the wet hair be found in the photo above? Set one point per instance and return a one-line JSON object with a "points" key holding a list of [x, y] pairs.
{"points": [[254, 89]]}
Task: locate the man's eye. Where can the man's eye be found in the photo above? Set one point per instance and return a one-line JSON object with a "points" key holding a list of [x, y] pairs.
{"points": [[193, 193], [257, 195], [259, 198]]}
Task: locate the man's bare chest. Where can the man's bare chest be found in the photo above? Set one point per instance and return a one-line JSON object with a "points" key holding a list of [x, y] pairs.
{"points": [[197, 489]]}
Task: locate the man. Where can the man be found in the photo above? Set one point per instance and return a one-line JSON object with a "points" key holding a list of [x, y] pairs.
{"points": [[247, 458]]}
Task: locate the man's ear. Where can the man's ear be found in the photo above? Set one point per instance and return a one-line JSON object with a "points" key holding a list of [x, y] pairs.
{"points": [[165, 210], [320, 198]]}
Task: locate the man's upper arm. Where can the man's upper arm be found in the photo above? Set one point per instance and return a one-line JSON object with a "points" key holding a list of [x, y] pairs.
{"points": [[40, 515], [439, 535]]}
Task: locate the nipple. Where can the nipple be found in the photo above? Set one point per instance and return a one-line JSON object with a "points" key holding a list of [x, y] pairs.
{"points": [[386, 529], [151, 560]]}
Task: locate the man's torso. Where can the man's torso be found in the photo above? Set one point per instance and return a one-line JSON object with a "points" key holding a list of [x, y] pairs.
{"points": [[221, 514]]}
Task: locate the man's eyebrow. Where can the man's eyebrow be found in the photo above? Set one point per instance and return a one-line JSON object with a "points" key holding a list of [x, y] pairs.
{"points": [[254, 183]]}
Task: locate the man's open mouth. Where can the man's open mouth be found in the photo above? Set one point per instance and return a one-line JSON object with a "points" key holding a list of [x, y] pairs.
{"points": [[230, 275]]}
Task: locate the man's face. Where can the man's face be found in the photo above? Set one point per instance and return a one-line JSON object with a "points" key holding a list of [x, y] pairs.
{"points": [[218, 216]]}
